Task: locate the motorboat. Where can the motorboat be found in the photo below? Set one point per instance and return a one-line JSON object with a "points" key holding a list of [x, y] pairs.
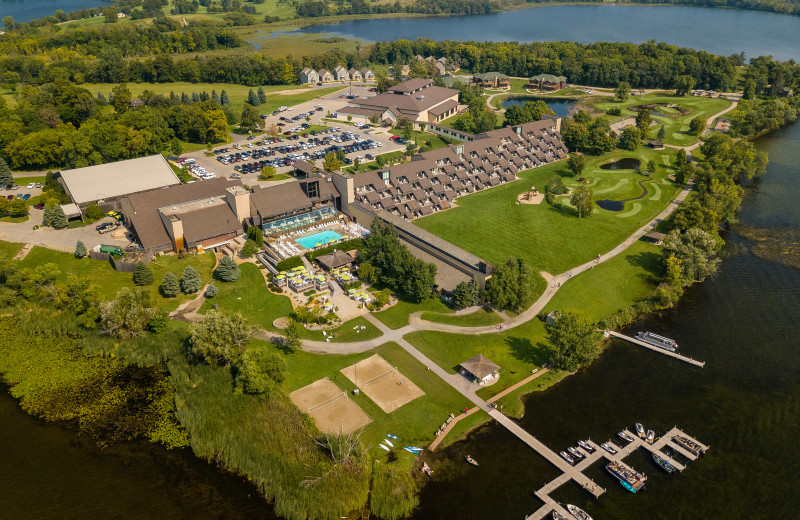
{"points": [[630, 479], [608, 448], [650, 436], [558, 516], [657, 341], [625, 437], [689, 444], [663, 463], [578, 513], [575, 453], [567, 457], [640, 430], [586, 446]]}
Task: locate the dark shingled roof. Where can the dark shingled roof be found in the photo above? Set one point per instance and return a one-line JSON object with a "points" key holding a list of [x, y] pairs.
{"points": [[289, 197], [335, 259], [480, 366], [209, 222]]}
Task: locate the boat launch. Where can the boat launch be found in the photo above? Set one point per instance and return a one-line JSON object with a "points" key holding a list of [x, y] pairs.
{"points": [[657, 341]]}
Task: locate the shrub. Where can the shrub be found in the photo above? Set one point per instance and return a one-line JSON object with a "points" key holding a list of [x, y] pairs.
{"points": [[143, 275], [261, 372], [158, 323], [170, 286], [228, 271], [289, 263], [220, 338], [616, 111], [249, 249], [354, 243], [93, 212], [211, 290], [255, 234], [190, 281], [80, 249]]}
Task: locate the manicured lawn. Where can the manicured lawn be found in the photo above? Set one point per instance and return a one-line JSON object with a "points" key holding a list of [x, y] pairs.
{"points": [[491, 225], [390, 158], [422, 138], [415, 422], [24, 181], [612, 285], [396, 316], [111, 281], [250, 297], [347, 331], [479, 318], [676, 128], [9, 249], [15, 220]]}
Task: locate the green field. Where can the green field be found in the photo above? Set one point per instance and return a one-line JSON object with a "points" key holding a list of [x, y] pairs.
{"points": [[111, 281], [479, 318], [396, 316], [423, 138], [676, 129], [491, 225]]}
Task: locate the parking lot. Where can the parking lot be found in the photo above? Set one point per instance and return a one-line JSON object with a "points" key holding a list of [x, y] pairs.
{"points": [[23, 190], [245, 157]]}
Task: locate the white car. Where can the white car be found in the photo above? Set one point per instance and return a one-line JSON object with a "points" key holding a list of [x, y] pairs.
{"points": [[31, 185]]}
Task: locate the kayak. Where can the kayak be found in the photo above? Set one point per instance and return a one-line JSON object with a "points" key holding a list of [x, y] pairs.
{"points": [[384, 447]]}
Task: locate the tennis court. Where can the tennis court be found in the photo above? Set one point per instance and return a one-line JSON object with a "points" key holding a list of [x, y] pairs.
{"points": [[330, 407], [382, 383]]}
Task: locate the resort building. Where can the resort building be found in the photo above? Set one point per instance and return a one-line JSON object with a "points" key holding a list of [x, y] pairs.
{"points": [[417, 99], [308, 76], [491, 80], [108, 183], [325, 76], [293, 205], [546, 82]]}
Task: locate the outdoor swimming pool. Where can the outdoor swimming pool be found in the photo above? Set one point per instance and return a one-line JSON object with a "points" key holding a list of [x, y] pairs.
{"points": [[318, 239]]}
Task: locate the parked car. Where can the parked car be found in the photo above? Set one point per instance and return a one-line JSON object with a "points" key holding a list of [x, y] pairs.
{"points": [[31, 185], [10, 197], [236, 176], [39, 185], [26, 196], [38, 206]]}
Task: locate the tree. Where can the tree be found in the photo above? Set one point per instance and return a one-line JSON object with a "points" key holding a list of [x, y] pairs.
{"points": [[680, 158], [211, 291], [465, 295], [662, 133], [575, 341], [110, 14], [367, 272], [224, 100], [93, 212], [643, 121], [581, 199], [255, 234], [128, 314], [267, 172], [261, 372], [122, 98], [143, 275], [227, 270], [175, 146], [6, 177], [294, 335], [19, 208], [684, 85], [8, 23], [250, 121], [58, 219], [511, 286], [622, 92], [697, 125], [4, 205], [696, 251], [749, 91], [262, 97], [190, 280], [576, 163], [219, 338], [630, 138], [331, 162], [170, 287], [80, 249], [651, 167], [252, 98], [249, 249]]}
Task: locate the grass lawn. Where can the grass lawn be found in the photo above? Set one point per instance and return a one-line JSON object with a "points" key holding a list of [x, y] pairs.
{"points": [[396, 316], [676, 128], [347, 331], [612, 285], [111, 281], [415, 422], [491, 225], [390, 158], [15, 220], [9, 249], [279, 177], [422, 138], [479, 318], [251, 298], [24, 181]]}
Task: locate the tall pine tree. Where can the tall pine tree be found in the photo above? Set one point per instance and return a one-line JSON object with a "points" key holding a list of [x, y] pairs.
{"points": [[190, 281], [228, 271], [143, 275], [170, 286], [6, 177], [215, 96], [262, 97], [252, 98], [224, 100], [58, 219]]}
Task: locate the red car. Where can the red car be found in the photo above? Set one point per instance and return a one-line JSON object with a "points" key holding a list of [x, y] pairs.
{"points": [[395, 137], [38, 206]]}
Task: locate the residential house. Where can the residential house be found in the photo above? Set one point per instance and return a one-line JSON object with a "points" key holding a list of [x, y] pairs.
{"points": [[355, 75], [367, 74], [491, 80], [546, 82], [325, 76], [341, 74], [308, 76]]}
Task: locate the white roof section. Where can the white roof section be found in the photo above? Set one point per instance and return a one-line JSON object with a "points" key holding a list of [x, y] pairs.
{"points": [[105, 181]]}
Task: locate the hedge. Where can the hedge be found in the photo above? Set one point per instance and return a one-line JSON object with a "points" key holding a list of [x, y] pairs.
{"points": [[347, 245], [289, 263]]}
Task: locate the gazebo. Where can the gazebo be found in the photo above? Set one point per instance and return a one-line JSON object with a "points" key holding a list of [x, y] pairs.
{"points": [[480, 369], [655, 237]]}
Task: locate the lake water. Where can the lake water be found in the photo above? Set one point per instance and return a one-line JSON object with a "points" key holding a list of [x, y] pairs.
{"points": [[719, 31], [27, 10], [561, 107]]}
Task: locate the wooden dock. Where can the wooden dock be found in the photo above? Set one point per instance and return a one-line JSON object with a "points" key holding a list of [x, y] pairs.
{"points": [[590, 458], [635, 341]]}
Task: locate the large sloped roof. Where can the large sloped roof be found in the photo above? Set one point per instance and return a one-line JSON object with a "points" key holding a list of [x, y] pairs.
{"points": [[480, 366], [105, 181]]}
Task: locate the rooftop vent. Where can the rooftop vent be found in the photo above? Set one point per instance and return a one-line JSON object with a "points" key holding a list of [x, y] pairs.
{"points": [[420, 97]]}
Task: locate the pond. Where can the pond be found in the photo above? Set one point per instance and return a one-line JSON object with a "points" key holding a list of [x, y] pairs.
{"points": [[561, 107], [611, 205], [627, 163]]}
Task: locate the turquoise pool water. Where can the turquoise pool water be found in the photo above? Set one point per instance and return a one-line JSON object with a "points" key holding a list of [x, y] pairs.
{"points": [[318, 239]]}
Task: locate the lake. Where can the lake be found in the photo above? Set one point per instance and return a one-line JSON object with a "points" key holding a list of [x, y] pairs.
{"points": [[561, 107], [27, 10], [719, 31]]}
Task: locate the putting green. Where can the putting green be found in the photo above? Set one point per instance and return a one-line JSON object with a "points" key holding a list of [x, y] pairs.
{"points": [[619, 184], [665, 160], [657, 194], [633, 211]]}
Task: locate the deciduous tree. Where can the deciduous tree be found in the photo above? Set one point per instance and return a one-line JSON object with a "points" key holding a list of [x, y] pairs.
{"points": [[581, 199], [576, 163], [220, 338], [260, 371], [695, 250], [622, 92], [575, 341]]}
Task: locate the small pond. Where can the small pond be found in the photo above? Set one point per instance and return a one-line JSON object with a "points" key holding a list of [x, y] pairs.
{"points": [[611, 205], [561, 107], [628, 163]]}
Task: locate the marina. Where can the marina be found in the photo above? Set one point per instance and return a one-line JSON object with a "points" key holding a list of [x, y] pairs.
{"points": [[654, 348], [617, 467]]}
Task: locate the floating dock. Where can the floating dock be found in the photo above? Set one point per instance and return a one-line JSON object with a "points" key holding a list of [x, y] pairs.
{"points": [[641, 343], [550, 505]]}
